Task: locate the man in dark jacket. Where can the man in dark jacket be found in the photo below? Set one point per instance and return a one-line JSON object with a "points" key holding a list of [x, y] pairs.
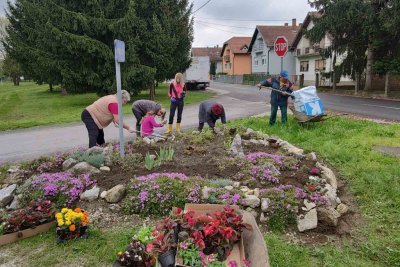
{"points": [[210, 111], [279, 98]]}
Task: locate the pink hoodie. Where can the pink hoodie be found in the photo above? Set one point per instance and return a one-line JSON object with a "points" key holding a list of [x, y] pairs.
{"points": [[148, 125]]}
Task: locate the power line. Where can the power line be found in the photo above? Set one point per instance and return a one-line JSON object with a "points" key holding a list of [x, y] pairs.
{"points": [[246, 19], [208, 26], [201, 6], [232, 26]]}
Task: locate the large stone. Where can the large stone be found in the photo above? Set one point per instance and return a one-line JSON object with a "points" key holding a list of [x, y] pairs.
{"points": [[7, 195], [115, 194], [291, 149], [331, 194], [265, 204], [91, 194], [236, 184], [257, 192], [107, 153], [94, 150], [236, 146], [307, 221], [229, 187], [328, 216], [105, 168], [83, 167], [252, 212], [69, 163], [342, 209], [312, 156], [308, 205], [328, 175], [15, 204], [251, 201], [103, 194]]}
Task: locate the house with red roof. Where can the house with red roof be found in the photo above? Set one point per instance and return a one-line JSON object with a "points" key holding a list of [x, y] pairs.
{"points": [[236, 59]]}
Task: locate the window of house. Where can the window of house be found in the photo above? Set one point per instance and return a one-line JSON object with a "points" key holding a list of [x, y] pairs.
{"points": [[256, 62], [307, 50], [304, 65], [299, 52], [264, 61], [320, 65]]}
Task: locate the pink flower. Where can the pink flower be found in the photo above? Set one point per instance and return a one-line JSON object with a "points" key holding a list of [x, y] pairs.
{"points": [[149, 247], [246, 263], [233, 264], [183, 245]]}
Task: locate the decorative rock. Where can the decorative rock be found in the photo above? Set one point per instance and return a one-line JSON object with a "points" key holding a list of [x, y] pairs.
{"points": [[257, 192], [312, 156], [265, 204], [251, 201], [291, 149], [14, 177], [107, 152], [254, 141], [338, 200], [342, 209], [307, 221], [252, 212], [94, 150], [266, 137], [147, 140], [244, 189], [263, 218], [309, 205], [91, 194], [328, 175], [115, 194], [105, 169], [205, 192], [6, 195], [83, 167], [328, 215], [330, 194], [229, 187], [236, 147], [236, 184], [250, 192], [15, 204], [69, 163], [13, 169], [263, 142], [249, 131], [103, 194]]}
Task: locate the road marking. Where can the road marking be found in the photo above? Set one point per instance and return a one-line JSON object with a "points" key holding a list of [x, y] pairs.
{"points": [[379, 106]]}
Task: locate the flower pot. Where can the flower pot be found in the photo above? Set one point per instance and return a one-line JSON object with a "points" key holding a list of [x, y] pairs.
{"points": [[62, 235], [167, 259]]}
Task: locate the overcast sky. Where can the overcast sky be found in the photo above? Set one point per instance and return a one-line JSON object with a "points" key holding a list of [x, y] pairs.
{"points": [[219, 20]]}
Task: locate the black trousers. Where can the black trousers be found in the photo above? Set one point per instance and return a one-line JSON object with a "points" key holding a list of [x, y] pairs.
{"points": [[96, 135], [139, 116], [178, 104]]}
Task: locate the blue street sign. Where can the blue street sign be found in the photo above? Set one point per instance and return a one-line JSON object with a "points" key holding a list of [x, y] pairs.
{"points": [[119, 47]]}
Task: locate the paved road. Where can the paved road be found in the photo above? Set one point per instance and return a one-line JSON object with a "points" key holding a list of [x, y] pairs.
{"points": [[239, 100], [372, 108]]}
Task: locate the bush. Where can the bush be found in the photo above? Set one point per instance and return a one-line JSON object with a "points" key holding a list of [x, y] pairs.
{"points": [[157, 193], [131, 162]]}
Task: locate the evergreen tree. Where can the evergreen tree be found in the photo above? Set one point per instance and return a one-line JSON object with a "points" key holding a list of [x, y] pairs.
{"points": [[71, 43]]}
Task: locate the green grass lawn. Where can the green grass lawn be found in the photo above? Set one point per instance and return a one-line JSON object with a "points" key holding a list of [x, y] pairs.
{"points": [[373, 178], [30, 104]]}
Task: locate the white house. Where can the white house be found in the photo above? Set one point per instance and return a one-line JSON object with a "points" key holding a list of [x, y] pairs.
{"points": [[309, 62], [264, 58]]}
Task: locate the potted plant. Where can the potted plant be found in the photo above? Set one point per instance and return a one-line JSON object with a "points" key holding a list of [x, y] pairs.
{"points": [[136, 255], [71, 224]]}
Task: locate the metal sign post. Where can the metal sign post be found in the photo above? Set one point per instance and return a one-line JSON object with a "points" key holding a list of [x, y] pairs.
{"points": [[281, 48], [119, 47]]}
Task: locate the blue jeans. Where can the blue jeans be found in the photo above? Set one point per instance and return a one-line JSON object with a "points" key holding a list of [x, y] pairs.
{"points": [[274, 111]]}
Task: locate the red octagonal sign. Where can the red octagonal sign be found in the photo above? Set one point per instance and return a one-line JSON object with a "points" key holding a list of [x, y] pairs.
{"points": [[281, 46]]}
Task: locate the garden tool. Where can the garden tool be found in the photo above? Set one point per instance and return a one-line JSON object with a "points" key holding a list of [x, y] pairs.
{"points": [[273, 89]]}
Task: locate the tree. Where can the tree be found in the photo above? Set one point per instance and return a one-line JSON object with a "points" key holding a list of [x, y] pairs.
{"points": [[70, 42], [344, 21], [12, 69], [3, 35], [166, 36]]}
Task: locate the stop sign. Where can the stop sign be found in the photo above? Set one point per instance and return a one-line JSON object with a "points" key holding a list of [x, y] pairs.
{"points": [[281, 46]]}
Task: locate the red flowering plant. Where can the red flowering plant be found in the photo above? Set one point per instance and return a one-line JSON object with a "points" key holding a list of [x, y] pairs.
{"points": [[37, 213], [215, 233]]}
